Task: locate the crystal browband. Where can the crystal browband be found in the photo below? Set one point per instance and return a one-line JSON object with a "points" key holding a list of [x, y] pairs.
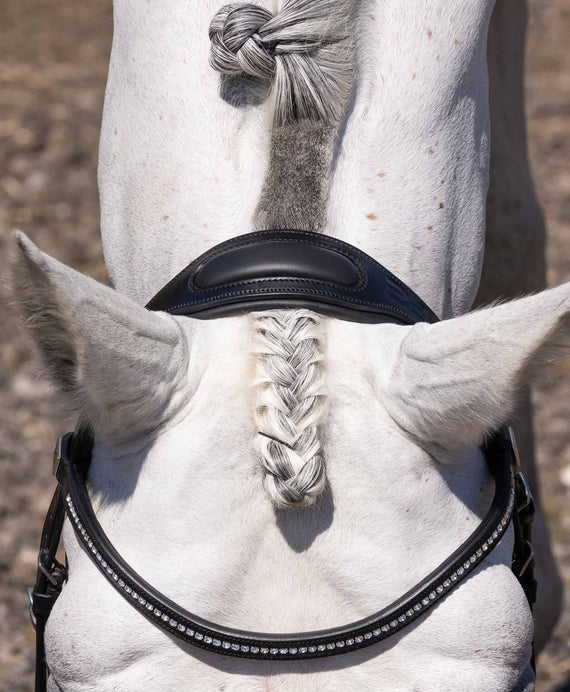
{"points": [[190, 628]]}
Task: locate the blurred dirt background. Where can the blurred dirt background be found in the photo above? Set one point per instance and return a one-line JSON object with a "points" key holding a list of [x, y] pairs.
{"points": [[53, 65]]}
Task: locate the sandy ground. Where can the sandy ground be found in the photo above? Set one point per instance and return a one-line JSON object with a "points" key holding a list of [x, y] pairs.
{"points": [[53, 66]]}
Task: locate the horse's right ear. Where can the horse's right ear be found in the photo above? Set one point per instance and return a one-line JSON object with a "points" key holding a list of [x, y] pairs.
{"points": [[455, 381], [123, 366]]}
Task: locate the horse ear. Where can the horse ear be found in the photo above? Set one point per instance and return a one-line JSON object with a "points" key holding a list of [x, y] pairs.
{"points": [[455, 381], [115, 361]]}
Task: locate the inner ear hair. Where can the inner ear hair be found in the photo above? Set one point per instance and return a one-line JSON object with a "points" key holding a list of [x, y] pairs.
{"points": [[35, 297]]}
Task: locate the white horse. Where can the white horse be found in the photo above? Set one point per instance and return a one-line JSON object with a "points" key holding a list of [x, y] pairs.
{"points": [[382, 141]]}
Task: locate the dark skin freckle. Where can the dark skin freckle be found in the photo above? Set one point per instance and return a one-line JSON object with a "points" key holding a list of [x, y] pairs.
{"points": [[381, 174], [429, 33], [441, 205], [371, 216]]}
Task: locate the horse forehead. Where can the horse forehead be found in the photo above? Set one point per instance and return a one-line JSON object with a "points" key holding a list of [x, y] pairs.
{"points": [[181, 169]]}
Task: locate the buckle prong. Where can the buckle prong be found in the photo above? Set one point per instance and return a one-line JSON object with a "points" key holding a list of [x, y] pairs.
{"points": [[56, 575], [30, 592], [57, 456], [526, 495], [529, 560], [514, 447]]}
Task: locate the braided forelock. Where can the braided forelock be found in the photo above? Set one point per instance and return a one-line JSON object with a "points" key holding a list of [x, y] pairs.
{"points": [[290, 394]]}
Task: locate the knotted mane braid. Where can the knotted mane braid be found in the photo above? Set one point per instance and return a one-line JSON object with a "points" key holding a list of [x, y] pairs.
{"points": [[305, 52]]}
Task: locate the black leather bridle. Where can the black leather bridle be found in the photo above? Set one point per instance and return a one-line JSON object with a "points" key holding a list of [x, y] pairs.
{"points": [[259, 271]]}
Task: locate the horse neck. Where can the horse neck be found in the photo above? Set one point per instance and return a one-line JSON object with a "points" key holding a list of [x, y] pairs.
{"points": [[182, 163]]}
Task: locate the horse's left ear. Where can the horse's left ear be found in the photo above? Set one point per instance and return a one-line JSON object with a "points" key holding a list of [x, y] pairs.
{"points": [[455, 381], [120, 364]]}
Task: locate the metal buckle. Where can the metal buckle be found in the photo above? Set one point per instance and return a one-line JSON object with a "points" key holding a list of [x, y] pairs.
{"points": [[44, 569], [529, 559], [30, 591], [526, 495], [514, 447], [57, 456], [56, 575]]}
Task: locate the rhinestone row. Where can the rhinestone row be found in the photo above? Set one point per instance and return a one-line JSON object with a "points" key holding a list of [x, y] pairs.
{"points": [[313, 649]]}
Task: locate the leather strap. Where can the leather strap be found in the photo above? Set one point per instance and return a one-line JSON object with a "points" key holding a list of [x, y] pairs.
{"points": [[50, 577], [163, 612], [289, 269]]}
